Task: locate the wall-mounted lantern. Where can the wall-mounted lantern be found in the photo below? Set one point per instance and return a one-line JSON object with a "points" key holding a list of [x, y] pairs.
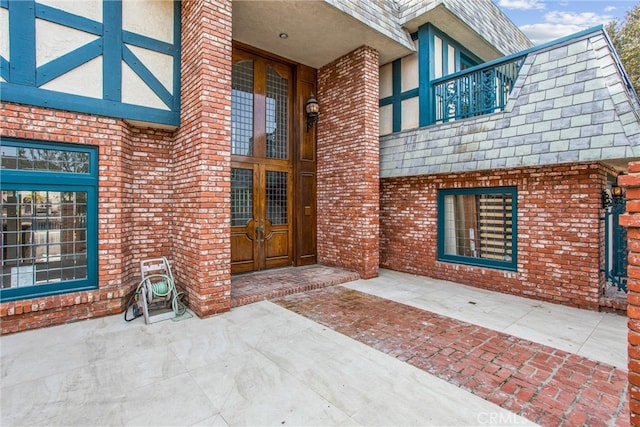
{"points": [[617, 191], [311, 109]]}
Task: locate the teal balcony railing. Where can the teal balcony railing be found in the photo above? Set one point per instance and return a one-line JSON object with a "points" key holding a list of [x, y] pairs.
{"points": [[483, 89]]}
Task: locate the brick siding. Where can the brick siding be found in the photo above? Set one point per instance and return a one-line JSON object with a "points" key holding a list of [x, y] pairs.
{"points": [[132, 222], [559, 231], [202, 167], [160, 193], [348, 163], [631, 220]]}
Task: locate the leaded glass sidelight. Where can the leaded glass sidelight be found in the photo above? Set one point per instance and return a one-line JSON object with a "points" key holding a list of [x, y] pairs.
{"points": [[277, 115], [241, 196], [242, 108], [277, 197]]}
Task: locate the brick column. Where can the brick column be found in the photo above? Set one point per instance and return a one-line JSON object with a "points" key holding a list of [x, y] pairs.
{"points": [[348, 163], [201, 168], [631, 220]]}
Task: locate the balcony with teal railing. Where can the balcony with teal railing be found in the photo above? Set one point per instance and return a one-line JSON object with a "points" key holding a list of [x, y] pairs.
{"points": [[483, 89]]}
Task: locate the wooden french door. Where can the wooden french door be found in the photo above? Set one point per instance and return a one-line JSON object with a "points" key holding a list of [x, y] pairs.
{"points": [[261, 164]]}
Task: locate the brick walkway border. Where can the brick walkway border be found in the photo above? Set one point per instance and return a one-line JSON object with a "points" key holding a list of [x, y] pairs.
{"points": [[548, 386], [253, 287]]}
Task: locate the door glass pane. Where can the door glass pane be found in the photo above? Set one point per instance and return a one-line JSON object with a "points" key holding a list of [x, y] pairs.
{"points": [[44, 237], [277, 197], [242, 108], [277, 114], [241, 197]]}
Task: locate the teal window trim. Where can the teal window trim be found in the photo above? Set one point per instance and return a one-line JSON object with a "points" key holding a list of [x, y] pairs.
{"points": [[460, 50], [511, 265], [426, 51], [463, 59], [445, 56], [21, 180], [23, 79]]}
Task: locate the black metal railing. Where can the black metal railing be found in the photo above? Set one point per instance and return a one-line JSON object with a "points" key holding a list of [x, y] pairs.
{"points": [[483, 89]]}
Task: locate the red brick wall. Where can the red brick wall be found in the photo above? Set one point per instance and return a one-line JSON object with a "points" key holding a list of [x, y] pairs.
{"points": [[559, 231], [133, 165], [160, 193], [348, 163], [202, 168], [631, 220]]}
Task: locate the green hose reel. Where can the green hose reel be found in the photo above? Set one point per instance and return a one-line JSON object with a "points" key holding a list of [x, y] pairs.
{"points": [[156, 297]]}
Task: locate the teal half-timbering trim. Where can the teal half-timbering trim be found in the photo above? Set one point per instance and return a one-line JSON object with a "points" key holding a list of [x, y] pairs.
{"points": [[397, 95], [112, 56], [23, 79], [425, 49], [67, 19], [4, 68], [147, 76], [445, 56], [397, 90], [59, 66], [147, 42], [511, 264], [22, 42], [30, 180], [177, 54], [51, 99]]}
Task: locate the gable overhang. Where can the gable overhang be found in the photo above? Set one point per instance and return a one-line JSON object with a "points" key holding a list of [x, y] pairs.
{"points": [[449, 23], [317, 32]]}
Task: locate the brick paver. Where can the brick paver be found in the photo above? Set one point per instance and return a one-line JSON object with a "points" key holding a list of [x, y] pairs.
{"points": [[254, 287], [543, 384]]}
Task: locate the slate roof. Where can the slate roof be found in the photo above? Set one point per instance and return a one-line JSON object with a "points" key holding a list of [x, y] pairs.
{"points": [[483, 16], [571, 103]]}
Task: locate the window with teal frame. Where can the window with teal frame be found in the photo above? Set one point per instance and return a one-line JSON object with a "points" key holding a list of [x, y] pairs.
{"points": [[49, 219], [478, 226]]}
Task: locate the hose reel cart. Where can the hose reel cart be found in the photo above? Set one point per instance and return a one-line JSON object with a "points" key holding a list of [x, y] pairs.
{"points": [[156, 297]]}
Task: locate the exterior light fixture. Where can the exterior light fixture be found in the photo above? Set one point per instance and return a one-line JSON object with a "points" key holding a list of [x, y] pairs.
{"points": [[311, 109], [617, 191], [613, 196]]}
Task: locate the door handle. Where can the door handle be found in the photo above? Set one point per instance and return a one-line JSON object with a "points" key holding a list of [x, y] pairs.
{"points": [[259, 233]]}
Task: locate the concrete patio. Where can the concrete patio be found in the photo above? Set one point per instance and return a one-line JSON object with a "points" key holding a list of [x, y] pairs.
{"points": [[262, 364]]}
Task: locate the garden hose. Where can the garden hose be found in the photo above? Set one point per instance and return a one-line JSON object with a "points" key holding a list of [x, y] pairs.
{"points": [[160, 289]]}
